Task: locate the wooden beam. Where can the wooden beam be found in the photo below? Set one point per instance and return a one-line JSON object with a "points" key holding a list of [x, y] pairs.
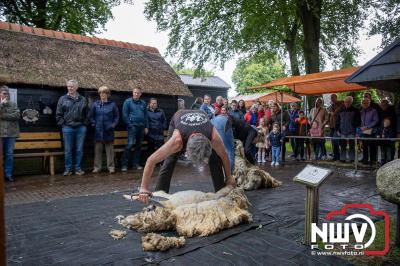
{"points": [[121, 134], [30, 145], [39, 136]]}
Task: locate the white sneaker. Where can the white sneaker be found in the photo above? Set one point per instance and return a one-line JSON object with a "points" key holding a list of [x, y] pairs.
{"points": [[272, 163], [263, 160], [259, 160], [276, 164]]}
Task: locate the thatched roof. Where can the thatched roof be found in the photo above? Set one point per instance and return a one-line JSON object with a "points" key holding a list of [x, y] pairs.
{"points": [[44, 57]]}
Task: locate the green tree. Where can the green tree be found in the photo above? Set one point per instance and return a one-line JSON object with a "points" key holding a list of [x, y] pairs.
{"points": [[386, 20], [80, 17], [214, 31], [358, 96], [256, 70]]}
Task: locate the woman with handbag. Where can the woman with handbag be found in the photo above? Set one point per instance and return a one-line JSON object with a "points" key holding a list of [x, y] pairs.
{"points": [[320, 114]]}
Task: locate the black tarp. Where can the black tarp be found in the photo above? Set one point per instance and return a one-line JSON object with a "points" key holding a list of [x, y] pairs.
{"points": [[75, 230]]}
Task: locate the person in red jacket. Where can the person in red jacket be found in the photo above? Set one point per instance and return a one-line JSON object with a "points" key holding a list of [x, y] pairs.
{"points": [[251, 116], [260, 114], [219, 102]]}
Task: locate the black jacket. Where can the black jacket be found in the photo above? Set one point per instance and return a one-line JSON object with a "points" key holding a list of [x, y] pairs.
{"points": [[347, 120], [157, 124], [72, 112]]}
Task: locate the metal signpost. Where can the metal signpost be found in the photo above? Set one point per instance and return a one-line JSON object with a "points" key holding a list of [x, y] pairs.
{"points": [[312, 177]]}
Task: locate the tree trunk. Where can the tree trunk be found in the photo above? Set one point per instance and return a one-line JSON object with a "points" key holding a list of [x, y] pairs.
{"points": [[290, 44], [310, 14], [294, 63]]}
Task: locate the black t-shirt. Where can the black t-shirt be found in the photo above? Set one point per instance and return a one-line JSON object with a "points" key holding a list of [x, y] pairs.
{"points": [[188, 122], [241, 129]]}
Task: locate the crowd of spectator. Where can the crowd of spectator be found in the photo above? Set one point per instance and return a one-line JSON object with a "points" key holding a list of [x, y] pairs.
{"points": [[264, 128], [341, 120]]}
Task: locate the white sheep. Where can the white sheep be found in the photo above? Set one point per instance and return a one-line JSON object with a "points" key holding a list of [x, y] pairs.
{"points": [[249, 176]]}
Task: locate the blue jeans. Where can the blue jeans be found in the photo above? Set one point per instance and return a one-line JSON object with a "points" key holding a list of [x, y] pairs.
{"points": [[73, 146], [343, 147], [276, 152], [335, 144], [219, 123], [135, 137], [8, 152], [317, 145]]}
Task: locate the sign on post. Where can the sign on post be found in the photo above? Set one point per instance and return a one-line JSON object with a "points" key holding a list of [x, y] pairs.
{"points": [[312, 177]]}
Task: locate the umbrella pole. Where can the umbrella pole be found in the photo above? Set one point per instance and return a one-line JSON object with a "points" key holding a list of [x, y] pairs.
{"points": [[281, 110], [306, 110]]}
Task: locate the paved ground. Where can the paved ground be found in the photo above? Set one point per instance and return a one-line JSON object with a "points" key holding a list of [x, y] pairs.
{"points": [[37, 188], [49, 222]]}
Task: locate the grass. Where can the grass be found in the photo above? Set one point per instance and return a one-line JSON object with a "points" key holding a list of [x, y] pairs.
{"points": [[328, 146]]}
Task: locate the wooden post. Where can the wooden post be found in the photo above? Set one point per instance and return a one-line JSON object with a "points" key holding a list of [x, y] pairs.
{"points": [[311, 207], [51, 165], [355, 154], [2, 222], [312, 177]]}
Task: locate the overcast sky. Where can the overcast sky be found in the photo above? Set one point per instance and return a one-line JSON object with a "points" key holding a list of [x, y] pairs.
{"points": [[130, 25]]}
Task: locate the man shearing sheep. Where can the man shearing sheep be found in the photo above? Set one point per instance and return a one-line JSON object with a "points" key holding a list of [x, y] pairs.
{"points": [[193, 132]]}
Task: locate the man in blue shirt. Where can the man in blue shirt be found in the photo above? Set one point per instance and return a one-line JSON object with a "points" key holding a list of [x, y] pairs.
{"points": [[134, 114]]}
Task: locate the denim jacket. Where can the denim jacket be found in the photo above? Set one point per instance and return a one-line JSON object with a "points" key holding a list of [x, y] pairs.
{"points": [[275, 139], [208, 109], [134, 113]]}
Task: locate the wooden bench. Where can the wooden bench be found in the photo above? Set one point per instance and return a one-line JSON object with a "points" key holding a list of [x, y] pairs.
{"points": [[121, 139], [49, 144], [39, 144]]}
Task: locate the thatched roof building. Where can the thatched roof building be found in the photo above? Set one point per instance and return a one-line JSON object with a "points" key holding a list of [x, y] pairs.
{"points": [[41, 57]]}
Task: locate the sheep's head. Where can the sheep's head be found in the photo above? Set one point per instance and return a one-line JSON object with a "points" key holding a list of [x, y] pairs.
{"points": [[237, 195], [239, 149]]}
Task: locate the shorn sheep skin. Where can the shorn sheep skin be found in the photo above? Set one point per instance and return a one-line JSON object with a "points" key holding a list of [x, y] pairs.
{"points": [[248, 176], [193, 213]]}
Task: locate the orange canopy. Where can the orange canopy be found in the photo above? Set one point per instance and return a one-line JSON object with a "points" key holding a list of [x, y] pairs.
{"points": [[318, 83], [281, 97]]}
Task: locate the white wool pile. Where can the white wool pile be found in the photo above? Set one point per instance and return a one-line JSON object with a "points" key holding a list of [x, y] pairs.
{"points": [[157, 219], [154, 242], [249, 176], [117, 234], [194, 213], [209, 217]]}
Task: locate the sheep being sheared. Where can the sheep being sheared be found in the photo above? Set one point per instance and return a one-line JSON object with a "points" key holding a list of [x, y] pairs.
{"points": [[248, 176], [203, 214], [154, 242], [209, 217], [149, 220]]}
